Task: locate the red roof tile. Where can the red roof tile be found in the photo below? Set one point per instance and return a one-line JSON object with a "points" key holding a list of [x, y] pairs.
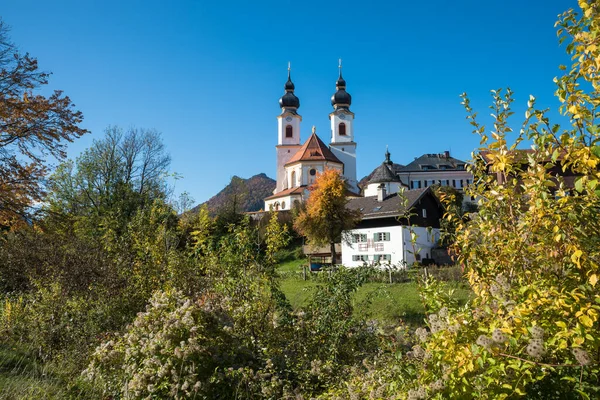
{"points": [[287, 192], [314, 150]]}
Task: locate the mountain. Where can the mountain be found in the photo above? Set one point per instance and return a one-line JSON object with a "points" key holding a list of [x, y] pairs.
{"points": [[363, 182], [245, 194]]}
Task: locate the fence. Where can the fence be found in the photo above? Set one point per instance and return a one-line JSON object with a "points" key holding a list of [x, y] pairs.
{"points": [[386, 274]]}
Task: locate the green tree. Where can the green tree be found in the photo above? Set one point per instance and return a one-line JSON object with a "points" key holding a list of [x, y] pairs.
{"points": [[32, 127], [118, 175], [325, 215]]}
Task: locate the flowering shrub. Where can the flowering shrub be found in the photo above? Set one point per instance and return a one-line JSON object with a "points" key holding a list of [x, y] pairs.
{"points": [[171, 350]]}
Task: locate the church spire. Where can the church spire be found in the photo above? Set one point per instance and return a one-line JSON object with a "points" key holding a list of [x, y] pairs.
{"points": [[289, 101], [341, 98], [388, 161]]}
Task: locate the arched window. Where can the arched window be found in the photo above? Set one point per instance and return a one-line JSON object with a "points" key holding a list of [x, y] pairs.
{"points": [[312, 175], [289, 131], [277, 206], [283, 205], [293, 179], [342, 129]]}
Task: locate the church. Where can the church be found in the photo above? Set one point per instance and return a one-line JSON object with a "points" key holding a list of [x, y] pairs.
{"points": [[299, 164]]}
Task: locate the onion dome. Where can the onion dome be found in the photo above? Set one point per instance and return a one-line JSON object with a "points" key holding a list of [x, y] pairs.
{"points": [[289, 99], [385, 172], [388, 161], [341, 98]]}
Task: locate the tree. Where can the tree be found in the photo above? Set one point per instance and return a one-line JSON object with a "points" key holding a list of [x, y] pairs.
{"points": [[32, 127], [325, 216], [113, 179]]}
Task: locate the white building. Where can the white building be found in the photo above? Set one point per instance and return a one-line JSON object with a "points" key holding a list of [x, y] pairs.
{"points": [[385, 234], [441, 169], [298, 164]]}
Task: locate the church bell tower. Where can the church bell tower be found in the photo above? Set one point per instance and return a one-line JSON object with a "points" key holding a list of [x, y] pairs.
{"points": [[288, 131], [342, 131]]}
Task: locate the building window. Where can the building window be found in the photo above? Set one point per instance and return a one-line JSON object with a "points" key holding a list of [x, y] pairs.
{"points": [[359, 238], [453, 182], [312, 172], [360, 257], [382, 257], [293, 178], [277, 206], [424, 213], [289, 131], [283, 205], [381, 237], [342, 129]]}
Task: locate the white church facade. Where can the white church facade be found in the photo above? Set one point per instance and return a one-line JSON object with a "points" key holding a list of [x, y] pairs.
{"points": [[299, 164]]}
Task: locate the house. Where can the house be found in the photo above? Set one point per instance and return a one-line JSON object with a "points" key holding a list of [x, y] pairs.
{"points": [[389, 221], [441, 169]]}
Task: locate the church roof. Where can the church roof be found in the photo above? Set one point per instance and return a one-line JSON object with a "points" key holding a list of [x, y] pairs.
{"points": [[383, 173], [287, 192], [314, 150]]}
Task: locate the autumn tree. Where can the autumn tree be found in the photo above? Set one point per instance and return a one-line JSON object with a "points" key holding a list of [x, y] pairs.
{"points": [[33, 127], [325, 215], [531, 253]]}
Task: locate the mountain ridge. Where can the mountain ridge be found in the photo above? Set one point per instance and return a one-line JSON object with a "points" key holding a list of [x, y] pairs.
{"points": [[241, 195]]}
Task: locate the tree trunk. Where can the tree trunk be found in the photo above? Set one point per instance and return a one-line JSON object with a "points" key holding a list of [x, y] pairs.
{"points": [[333, 255]]}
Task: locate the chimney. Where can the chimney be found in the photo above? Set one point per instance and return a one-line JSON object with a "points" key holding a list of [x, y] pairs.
{"points": [[447, 154], [381, 192]]}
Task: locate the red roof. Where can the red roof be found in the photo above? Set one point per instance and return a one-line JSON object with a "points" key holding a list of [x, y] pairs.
{"points": [[287, 192], [314, 150]]}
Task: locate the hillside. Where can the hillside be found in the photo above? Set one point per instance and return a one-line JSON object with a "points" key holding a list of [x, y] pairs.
{"points": [[243, 194]]}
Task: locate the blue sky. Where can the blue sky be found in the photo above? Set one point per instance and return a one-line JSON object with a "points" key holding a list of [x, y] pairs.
{"points": [[208, 74]]}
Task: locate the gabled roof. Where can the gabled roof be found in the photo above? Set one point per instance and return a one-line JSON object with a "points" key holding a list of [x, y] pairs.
{"points": [[384, 173], [314, 150], [389, 207], [434, 162]]}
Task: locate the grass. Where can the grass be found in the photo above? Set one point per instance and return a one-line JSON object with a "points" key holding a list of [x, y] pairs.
{"points": [[385, 302], [23, 377]]}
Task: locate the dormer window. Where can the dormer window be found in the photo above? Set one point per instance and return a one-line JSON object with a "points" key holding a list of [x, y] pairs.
{"points": [[289, 131], [342, 129]]}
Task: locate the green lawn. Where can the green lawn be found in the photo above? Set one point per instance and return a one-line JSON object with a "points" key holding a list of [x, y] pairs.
{"points": [[388, 303]]}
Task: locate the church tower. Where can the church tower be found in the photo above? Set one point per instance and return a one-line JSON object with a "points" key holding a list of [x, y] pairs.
{"points": [[288, 128], [342, 131]]}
